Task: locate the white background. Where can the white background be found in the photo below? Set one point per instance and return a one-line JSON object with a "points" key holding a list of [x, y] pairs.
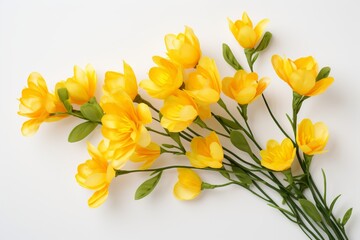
{"points": [[40, 198]]}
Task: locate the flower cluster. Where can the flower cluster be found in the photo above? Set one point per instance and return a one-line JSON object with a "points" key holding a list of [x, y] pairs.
{"points": [[188, 83]]}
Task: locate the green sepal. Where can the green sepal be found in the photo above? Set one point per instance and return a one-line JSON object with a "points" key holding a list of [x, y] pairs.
{"points": [[147, 187], [310, 209], [64, 98], [92, 110], [200, 122], [230, 58], [324, 73], [264, 43], [205, 185], [81, 131]]}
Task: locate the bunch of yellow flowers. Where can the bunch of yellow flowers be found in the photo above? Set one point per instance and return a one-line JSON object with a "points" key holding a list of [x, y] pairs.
{"points": [[188, 83]]}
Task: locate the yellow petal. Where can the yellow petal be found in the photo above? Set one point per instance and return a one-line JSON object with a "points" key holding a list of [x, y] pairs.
{"points": [[30, 127], [144, 113], [320, 86], [98, 197], [302, 81]]}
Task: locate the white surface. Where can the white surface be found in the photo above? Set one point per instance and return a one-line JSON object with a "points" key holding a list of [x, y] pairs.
{"points": [[40, 198]]}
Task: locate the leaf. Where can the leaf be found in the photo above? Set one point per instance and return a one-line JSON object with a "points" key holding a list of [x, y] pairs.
{"points": [[239, 141], [346, 217], [242, 175], [224, 173], [325, 184], [230, 58], [176, 137], [264, 42], [282, 210], [333, 204], [324, 73], [81, 131], [147, 187], [92, 111], [310, 209], [229, 123]]}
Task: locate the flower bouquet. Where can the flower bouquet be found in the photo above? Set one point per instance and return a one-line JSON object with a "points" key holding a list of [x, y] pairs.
{"points": [[187, 82]]}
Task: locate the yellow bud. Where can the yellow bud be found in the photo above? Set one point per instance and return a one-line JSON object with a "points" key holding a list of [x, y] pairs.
{"points": [[165, 79], [179, 111], [96, 174], [278, 157], [82, 85], [183, 48], [312, 138], [126, 81], [244, 33], [244, 87], [206, 152], [301, 75], [188, 186]]}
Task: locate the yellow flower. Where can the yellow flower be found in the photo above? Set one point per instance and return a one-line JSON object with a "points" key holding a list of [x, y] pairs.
{"points": [[301, 75], [82, 85], [184, 48], [127, 81], [179, 111], [37, 103], [204, 83], [124, 125], [278, 157], [312, 138], [188, 186], [96, 174], [164, 79], [244, 33], [206, 152], [244, 87], [146, 154]]}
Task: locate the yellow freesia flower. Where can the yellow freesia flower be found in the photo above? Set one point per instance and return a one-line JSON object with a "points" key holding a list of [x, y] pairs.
{"points": [[126, 81], [124, 125], [183, 48], [164, 79], [38, 103], [204, 83], [206, 152], [312, 138], [82, 85], [96, 174], [278, 157], [188, 186], [244, 87], [244, 33], [147, 155], [179, 111], [301, 75]]}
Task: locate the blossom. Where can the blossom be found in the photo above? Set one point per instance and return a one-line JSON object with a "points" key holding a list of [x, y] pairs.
{"points": [[38, 103], [206, 152], [179, 111], [312, 138], [96, 174], [301, 75], [204, 83], [164, 79], [125, 81], [183, 48], [147, 154], [82, 85], [278, 157], [244, 33], [244, 87], [124, 125], [188, 186]]}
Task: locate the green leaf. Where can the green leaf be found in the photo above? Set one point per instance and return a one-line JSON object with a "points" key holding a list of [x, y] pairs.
{"points": [[176, 137], [81, 131], [324, 73], [254, 58], [242, 175], [346, 217], [333, 204], [230, 58], [239, 141], [310, 209], [147, 187], [229, 123], [92, 111], [325, 184], [224, 173], [264, 42]]}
